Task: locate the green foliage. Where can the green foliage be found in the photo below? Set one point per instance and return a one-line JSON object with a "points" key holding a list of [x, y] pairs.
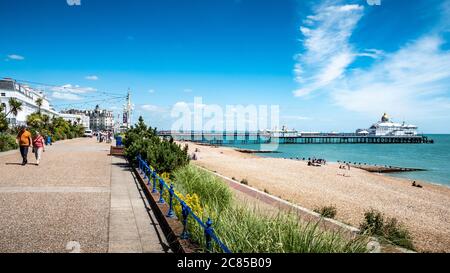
{"points": [[15, 107], [375, 224], [57, 128], [248, 230], [163, 155], [327, 211], [7, 142], [209, 188], [3, 122]]}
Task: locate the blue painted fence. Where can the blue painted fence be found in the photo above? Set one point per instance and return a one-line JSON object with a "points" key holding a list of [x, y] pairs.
{"points": [[151, 175]]}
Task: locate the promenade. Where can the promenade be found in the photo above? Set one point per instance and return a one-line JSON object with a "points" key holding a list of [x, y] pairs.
{"points": [[79, 199]]}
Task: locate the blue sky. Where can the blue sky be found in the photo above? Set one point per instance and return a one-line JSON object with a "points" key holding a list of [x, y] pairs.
{"points": [[331, 65]]}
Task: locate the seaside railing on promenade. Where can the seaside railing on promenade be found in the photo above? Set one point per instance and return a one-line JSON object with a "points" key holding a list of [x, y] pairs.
{"points": [[156, 182]]}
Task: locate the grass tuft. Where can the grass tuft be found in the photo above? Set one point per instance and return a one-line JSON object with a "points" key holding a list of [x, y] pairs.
{"points": [[327, 211], [375, 224]]}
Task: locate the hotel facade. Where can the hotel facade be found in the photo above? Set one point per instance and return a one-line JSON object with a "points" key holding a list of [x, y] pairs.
{"points": [[9, 88]]}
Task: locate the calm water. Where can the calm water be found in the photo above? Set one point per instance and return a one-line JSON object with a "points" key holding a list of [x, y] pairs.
{"points": [[433, 157]]}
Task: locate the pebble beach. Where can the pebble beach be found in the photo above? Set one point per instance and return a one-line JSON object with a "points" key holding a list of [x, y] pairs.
{"points": [[425, 212]]}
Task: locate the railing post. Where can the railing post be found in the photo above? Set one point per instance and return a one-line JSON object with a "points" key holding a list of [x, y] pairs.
{"points": [[161, 191], [139, 162], [171, 214], [154, 182], [208, 231], [185, 212], [145, 171], [149, 176]]}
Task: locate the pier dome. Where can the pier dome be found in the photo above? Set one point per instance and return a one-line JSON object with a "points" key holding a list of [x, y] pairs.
{"points": [[385, 118]]}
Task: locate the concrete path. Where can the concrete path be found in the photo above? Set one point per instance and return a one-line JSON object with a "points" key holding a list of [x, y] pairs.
{"points": [[133, 226], [78, 200]]}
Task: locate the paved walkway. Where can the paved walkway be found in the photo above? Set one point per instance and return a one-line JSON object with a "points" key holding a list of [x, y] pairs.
{"points": [[78, 199]]}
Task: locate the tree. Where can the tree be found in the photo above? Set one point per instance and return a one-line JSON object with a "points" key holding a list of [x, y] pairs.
{"points": [[3, 121], [39, 103], [15, 107], [35, 121], [46, 121]]}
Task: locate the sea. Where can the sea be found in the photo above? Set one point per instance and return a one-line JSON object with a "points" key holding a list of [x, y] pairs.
{"points": [[434, 158]]}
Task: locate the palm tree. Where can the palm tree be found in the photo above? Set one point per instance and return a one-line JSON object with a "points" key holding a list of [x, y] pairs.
{"points": [[39, 103], [15, 106]]}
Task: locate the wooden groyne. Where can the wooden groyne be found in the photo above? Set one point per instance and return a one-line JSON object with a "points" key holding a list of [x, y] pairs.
{"points": [[246, 151], [385, 169]]}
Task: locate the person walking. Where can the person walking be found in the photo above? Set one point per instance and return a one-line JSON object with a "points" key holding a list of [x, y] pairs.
{"points": [[48, 140], [39, 147], [25, 142]]}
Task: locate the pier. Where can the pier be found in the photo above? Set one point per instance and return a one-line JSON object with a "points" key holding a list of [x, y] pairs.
{"points": [[233, 138]]}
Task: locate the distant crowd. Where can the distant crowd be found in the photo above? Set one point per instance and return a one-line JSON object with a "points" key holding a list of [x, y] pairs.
{"points": [[104, 136]]}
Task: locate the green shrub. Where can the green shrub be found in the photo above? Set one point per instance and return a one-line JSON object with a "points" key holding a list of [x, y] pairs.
{"points": [[375, 224], [163, 155], [7, 142], [327, 211], [3, 121], [57, 128]]}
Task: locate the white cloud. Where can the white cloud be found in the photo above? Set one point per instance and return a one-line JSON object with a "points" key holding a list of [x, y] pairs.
{"points": [[66, 96], [327, 51], [76, 89], [15, 57], [92, 78], [372, 53], [70, 92], [297, 117], [412, 82], [151, 91], [187, 90], [153, 108]]}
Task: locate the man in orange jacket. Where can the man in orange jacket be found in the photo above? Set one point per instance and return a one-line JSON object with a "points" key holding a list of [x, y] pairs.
{"points": [[25, 142]]}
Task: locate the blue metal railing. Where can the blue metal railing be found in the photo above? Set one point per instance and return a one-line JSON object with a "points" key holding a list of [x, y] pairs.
{"points": [[151, 175]]}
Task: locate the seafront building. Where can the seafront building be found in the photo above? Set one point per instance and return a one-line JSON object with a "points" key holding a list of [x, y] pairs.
{"points": [[96, 119], [28, 96], [81, 119], [101, 119]]}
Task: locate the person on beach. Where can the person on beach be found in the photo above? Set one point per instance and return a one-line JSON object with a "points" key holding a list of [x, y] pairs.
{"points": [[38, 147], [25, 142]]}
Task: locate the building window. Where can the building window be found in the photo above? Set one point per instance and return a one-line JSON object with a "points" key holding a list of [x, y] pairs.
{"points": [[3, 94]]}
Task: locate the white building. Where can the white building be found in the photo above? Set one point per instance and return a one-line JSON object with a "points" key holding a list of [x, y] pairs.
{"points": [[101, 119], [96, 120], [385, 127], [77, 119], [9, 88]]}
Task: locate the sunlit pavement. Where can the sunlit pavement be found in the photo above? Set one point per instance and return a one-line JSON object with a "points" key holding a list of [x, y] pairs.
{"points": [[78, 200]]}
